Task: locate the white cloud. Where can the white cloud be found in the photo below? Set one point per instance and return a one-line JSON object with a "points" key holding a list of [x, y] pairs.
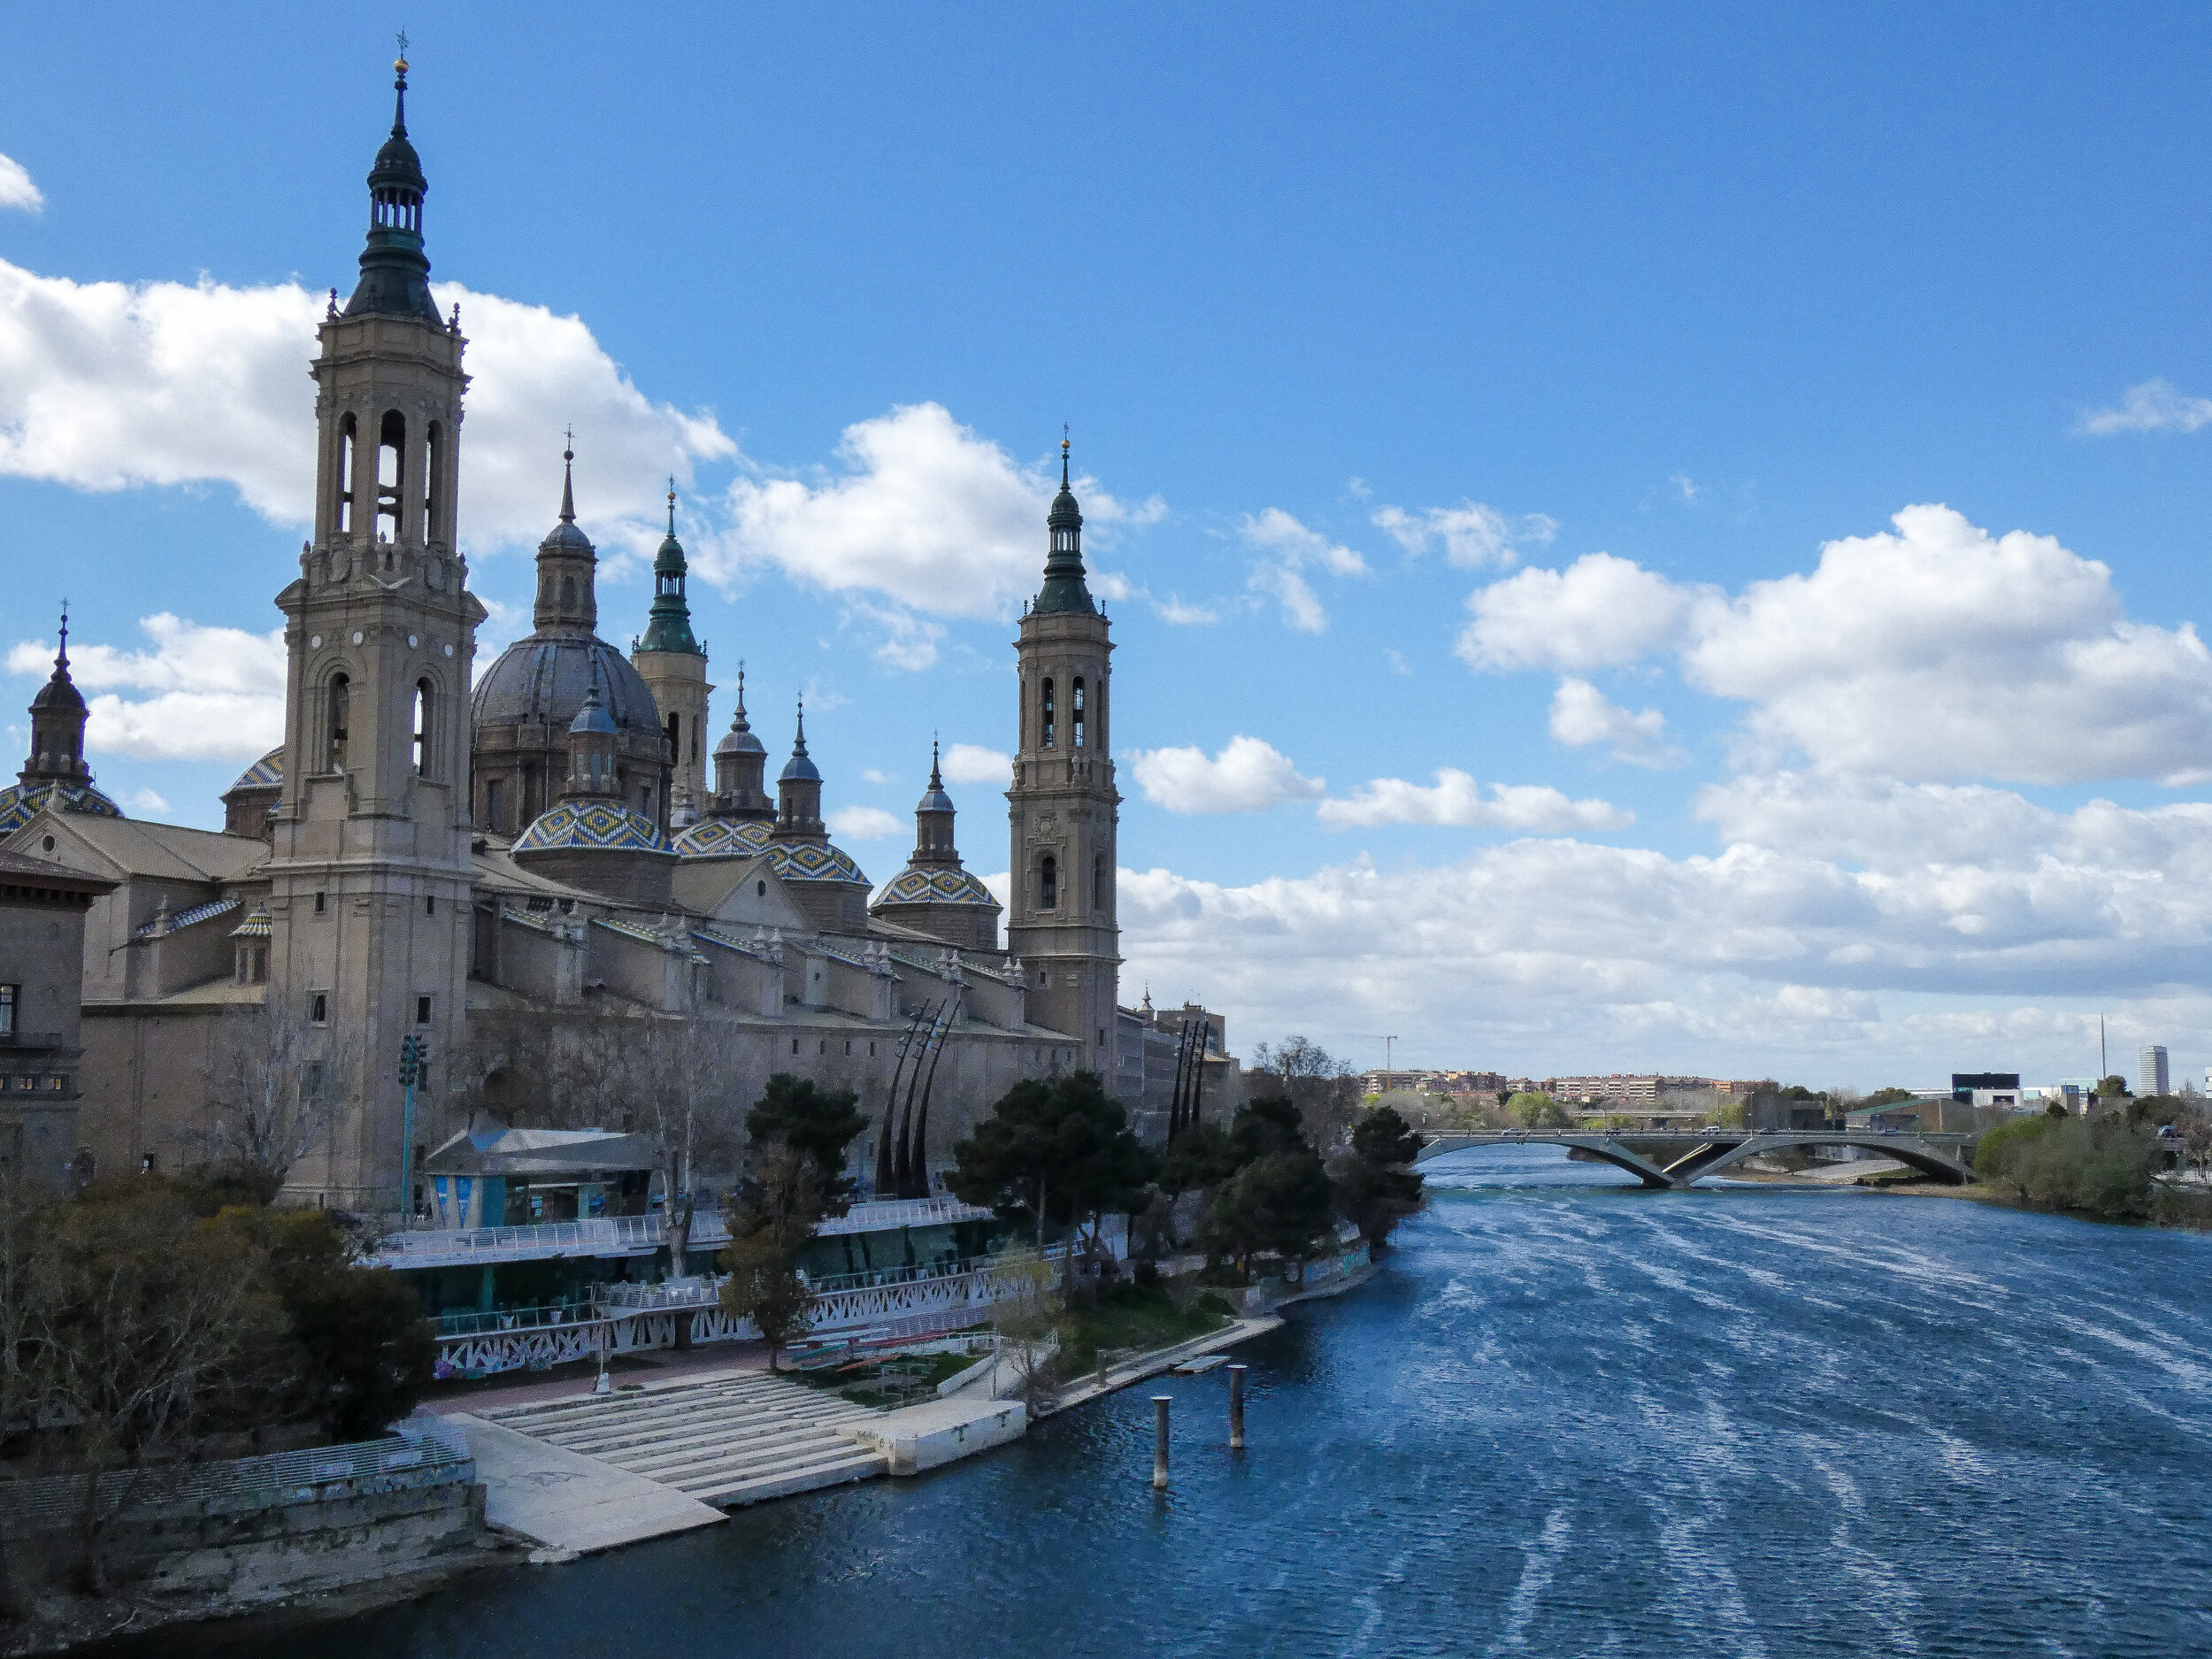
{"points": [[1686, 490], [907, 640], [218, 693], [1288, 549], [146, 803], [1580, 715], [1473, 535], [1176, 612], [1249, 775], [972, 763], [109, 386], [876, 774], [1600, 610], [16, 188], [1457, 801], [1396, 658], [2154, 406], [863, 824]]}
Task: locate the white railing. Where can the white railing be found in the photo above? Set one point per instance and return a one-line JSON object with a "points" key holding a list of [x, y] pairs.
{"points": [[902, 1212]]}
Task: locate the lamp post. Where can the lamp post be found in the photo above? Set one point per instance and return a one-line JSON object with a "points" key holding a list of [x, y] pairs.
{"points": [[411, 1056]]}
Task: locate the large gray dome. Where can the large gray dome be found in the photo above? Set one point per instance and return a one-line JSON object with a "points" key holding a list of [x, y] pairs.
{"points": [[546, 679]]}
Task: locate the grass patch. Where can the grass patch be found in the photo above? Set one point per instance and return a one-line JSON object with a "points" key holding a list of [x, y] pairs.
{"points": [[894, 1381], [1134, 1316]]}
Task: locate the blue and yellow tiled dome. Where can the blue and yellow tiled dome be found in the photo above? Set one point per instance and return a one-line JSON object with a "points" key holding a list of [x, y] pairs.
{"points": [[917, 886], [19, 802], [806, 861], [725, 837], [265, 774], [596, 824]]}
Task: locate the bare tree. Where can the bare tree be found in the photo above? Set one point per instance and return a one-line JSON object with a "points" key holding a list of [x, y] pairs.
{"points": [[1321, 1084], [273, 1087]]}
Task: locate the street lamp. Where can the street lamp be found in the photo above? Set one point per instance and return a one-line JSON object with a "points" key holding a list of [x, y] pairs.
{"points": [[413, 1053]]}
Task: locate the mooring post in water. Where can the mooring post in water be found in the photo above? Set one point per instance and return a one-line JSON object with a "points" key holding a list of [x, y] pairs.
{"points": [[1236, 1408], [1159, 1442]]}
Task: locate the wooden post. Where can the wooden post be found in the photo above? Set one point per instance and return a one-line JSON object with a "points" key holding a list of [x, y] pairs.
{"points": [[1236, 1408], [1160, 1403]]}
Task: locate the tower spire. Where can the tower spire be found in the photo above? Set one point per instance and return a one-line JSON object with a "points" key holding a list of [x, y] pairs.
{"points": [[395, 271], [568, 477], [1064, 590]]}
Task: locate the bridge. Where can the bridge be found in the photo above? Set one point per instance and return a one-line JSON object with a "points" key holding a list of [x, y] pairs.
{"points": [[1671, 1160]]}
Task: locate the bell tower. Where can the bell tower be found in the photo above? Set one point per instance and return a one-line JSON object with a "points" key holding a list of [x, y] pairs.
{"points": [[370, 872], [1064, 806], [673, 664]]}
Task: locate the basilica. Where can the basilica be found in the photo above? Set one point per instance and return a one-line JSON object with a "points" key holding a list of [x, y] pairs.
{"points": [[439, 866]]}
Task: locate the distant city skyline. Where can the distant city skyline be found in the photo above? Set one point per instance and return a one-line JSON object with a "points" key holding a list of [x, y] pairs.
{"points": [[1610, 583]]}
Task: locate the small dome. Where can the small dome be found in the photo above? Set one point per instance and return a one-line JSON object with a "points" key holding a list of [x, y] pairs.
{"points": [[670, 560], [914, 885], [933, 799], [725, 837], [265, 774], [565, 537], [591, 824], [805, 861], [799, 768], [58, 693], [20, 802], [593, 717], [397, 164], [739, 739]]}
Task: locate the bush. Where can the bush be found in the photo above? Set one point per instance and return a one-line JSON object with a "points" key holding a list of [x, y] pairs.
{"points": [[2101, 1165]]}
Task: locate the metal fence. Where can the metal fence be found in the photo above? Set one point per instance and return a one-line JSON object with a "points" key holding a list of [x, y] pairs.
{"points": [[426, 1453]]}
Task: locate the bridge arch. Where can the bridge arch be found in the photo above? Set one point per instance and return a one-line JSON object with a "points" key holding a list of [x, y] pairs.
{"points": [[1599, 1147], [1907, 1149]]}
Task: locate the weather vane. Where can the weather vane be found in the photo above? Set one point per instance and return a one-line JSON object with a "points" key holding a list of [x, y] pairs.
{"points": [[401, 38]]}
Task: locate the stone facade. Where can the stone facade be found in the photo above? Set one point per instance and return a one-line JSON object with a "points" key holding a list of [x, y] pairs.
{"points": [[43, 910]]}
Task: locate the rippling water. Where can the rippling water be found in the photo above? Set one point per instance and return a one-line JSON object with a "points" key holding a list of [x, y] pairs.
{"points": [[1566, 1418]]}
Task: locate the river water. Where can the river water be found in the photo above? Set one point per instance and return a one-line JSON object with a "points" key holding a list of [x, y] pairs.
{"points": [[1568, 1418]]}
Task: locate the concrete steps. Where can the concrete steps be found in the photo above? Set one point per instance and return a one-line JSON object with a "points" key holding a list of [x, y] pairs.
{"points": [[724, 1441]]}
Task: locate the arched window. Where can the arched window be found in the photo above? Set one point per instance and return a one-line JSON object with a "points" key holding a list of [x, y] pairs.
{"points": [[336, 712], [433, 478], [1048, 883], [348, 432], [422, 728], [391, 471], [496, 804], [1099, 872], [568, 593], [1044, 707], [1075, 713], [675, 739]]}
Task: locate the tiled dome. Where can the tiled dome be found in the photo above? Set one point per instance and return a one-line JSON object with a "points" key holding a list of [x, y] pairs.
{"points": [[21, 802], [603, 826], [723, 838], [805, 861], [265, 774], [917, 886]]}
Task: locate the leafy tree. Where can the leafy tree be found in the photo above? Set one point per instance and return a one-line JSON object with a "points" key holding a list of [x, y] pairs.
{"points": [[1376, 1185], [1383, 1137], [818, 1122], [1890, 1096], [1201, 1157], [779, 1208], [1268, 1124], [1533, 1110], [2113, 1087], [1280, 1204]]}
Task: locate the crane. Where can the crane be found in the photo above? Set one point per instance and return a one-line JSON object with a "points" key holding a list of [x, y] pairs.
{"points": [[1385, 1037]]}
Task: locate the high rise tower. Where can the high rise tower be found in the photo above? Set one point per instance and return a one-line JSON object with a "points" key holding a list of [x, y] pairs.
{"points": [[1063, 805], [370, 872], [673, 663]]}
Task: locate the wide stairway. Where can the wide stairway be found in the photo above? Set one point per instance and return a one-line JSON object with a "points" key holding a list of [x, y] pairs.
{"points": [[727, 1441]]}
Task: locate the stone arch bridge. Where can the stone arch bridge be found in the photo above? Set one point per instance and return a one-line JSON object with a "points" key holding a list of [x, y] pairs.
{"points": [[1670, 1160]]}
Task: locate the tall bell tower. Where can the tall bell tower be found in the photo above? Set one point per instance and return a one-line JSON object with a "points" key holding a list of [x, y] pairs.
{"points": [[370, 872], [1064, 806]]}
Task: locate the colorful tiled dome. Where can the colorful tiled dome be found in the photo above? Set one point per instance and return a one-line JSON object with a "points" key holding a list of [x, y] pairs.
{"points": [[19, 802], [917, 886], [599, 824], [725, 837], [805, 861], [265, 774]]}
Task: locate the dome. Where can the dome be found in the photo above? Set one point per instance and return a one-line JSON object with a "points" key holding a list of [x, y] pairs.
{"points": [[806, 861], [596, 826], [566, 537], [19, 802], [799, 768], [592, 717], [914, 885], [725, 837], [739, 739], [265, 774], [57, 693], [933, 799], [397, 164], [545, 680]]}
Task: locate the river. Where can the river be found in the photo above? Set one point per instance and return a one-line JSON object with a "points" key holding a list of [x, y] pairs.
{"points": [[1566, 1418]]}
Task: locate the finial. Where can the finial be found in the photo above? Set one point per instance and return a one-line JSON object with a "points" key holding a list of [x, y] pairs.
{"points": [[800, 747], [671, 506], [568, 478], [399, 88], [741, 687], [935, 782], [1064, 455], [61, 660], [454, 325], [333, 311]]}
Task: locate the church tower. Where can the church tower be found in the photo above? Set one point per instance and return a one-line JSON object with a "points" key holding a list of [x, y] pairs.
{"points": [[674, 666], [370, 872], [1063, 805]]}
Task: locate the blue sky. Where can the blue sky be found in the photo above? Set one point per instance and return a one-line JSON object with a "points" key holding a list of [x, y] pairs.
{"points": [[1358, 319]]}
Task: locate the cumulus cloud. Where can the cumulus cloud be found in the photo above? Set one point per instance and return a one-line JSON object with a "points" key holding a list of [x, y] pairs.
{"points": [[1457, 801], [863, 824], [16, 188], [1472, 536], [1288, 549], [216, 693], [1580, 715], [108, 386], [1249, 775], [972, 763], [1601, 610], [2154, 406]]}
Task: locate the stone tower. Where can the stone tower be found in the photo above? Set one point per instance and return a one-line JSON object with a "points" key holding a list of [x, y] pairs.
{"points": [[741, 764], [1063, 805], [934, 894], [674, 666], [370, 872]]}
